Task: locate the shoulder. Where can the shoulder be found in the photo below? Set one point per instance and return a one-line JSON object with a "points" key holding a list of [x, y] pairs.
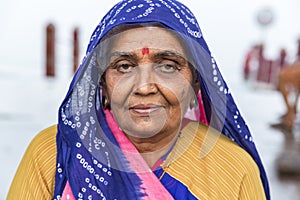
{"points": [[207, 162], [41, 152], [45, 139], [43, 145], [35, 175], [42, 149], [212, 145]]}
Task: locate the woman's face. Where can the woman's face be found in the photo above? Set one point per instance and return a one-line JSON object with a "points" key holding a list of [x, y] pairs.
{"points": [[148, 82]]}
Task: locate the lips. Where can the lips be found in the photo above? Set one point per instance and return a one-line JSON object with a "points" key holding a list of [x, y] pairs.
{"points": [[145, 109]]}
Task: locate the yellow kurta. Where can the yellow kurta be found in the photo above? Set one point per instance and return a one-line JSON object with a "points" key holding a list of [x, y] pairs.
{"points": [[214, 167], [211, 166], [35, 176]]}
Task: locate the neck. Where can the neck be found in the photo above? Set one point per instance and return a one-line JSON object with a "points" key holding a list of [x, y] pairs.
{"points": [[152, 149]]}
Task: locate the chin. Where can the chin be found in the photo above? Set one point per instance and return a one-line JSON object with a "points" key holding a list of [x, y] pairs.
{"points": [[143, 130]]}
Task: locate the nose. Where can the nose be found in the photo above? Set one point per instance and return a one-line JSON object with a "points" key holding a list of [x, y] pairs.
{"points": [[146, 89], [146, 83]]}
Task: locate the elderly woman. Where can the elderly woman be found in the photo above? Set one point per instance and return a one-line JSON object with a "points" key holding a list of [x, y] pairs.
{"points": [[147, 116]]}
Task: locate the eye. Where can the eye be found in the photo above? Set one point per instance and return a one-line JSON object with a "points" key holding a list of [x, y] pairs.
{"points": [[168, 66], [124, 66]]}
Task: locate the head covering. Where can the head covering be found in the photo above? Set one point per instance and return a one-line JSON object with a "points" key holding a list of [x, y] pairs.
{"points": [[89, 156]]}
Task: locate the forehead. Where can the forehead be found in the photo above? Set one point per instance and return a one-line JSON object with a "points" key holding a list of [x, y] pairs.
{"points": [[151, 37]]}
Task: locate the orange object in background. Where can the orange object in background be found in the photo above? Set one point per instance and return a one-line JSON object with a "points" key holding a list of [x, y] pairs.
{"points": [[75, 50], [50, 50]]}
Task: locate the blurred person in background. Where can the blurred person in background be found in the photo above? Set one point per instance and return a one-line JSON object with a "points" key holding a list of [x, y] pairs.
{"points": [[289, 88], [147, 115], [251, 62]]}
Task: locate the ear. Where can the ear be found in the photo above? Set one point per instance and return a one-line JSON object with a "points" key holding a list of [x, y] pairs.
{"points": [[196, 83], [104, 100], [195, 79], [103, 90], [104, 97]]}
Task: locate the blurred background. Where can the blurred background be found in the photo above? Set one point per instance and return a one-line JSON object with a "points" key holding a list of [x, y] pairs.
{"points": [[29, 99]]}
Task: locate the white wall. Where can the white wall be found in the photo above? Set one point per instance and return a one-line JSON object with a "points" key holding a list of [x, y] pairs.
{"points": [[230, 27]]}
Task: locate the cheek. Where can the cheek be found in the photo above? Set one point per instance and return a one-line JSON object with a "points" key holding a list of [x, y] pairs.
{"points": [[179, 85], [110, 82], [183, 93], [178, 100], [181, 99], [118, 90], [178, 91]]}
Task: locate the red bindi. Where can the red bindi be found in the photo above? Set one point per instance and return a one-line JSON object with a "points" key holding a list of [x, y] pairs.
{"points": [[145, 51]]}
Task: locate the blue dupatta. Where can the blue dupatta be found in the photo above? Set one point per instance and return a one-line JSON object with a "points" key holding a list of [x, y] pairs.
{"points": [[88, 155]]}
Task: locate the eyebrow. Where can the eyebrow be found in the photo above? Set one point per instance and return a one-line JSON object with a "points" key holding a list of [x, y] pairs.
{"points": [[168, 54], [157, 55], [122, 54]]}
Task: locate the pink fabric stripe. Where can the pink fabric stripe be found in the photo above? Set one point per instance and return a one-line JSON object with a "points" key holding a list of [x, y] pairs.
{"points": [[202, 118], [157, 164], [152, 186], [67, 193]]}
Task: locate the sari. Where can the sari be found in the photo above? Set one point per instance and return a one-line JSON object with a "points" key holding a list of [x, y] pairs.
{"points": [[95, 160]]}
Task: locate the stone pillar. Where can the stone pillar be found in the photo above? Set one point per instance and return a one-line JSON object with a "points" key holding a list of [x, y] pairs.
{"points": [[50, 50]]}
